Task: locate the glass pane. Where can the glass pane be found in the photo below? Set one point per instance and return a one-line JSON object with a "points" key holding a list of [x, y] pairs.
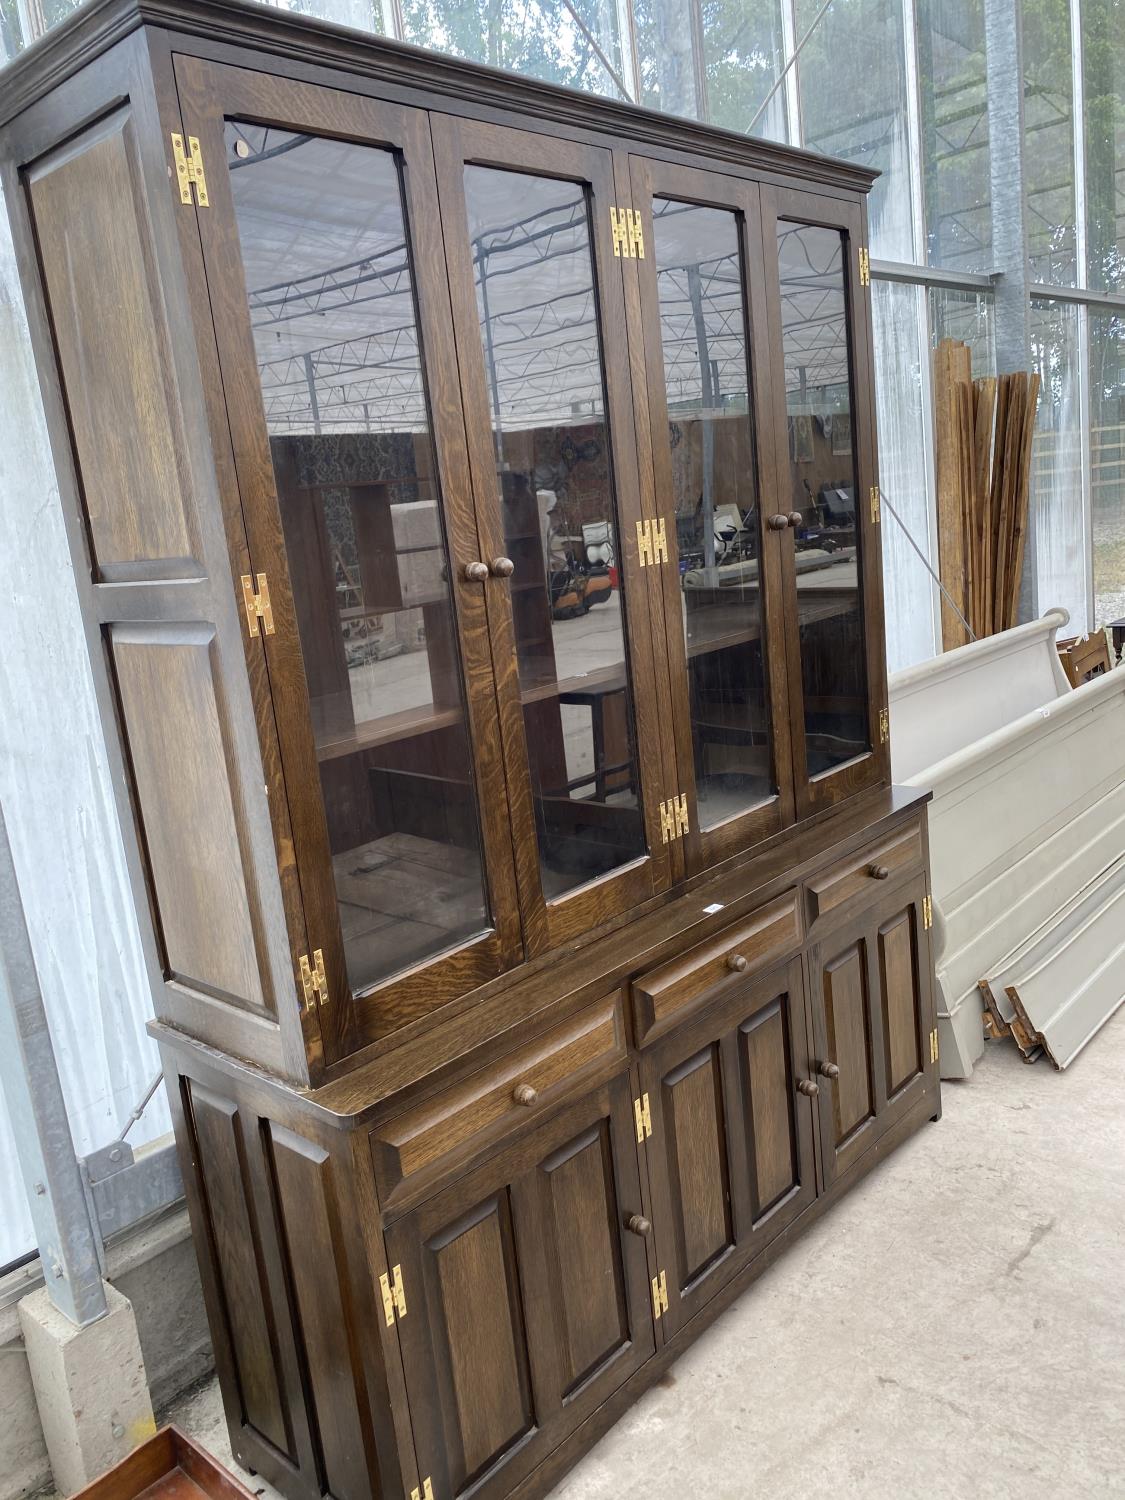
{"points": [[898, 314], [1048, 104], [822, 465], [336, 333], [711, 440], [1107, 463], [955, 154], [1103, 81], [664, 52], [970, 317], [743, 54], [538, 310], [572, 42], [853, 104], [1058, 507]]}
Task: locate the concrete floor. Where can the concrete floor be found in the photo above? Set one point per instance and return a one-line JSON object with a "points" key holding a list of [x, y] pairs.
{"points": [[954, 1328]]}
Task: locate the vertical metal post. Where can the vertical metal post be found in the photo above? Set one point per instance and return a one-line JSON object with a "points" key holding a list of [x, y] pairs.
{"points": [[68, 1240], [708, 402], [1003, 34], [1082, 280], [792, 83]]}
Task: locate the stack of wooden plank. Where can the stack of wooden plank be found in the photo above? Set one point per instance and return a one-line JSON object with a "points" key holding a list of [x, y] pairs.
{"points": [[984, 431]]}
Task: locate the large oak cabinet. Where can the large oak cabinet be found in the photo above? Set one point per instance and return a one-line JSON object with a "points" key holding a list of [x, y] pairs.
{"points": [[473, 499]]}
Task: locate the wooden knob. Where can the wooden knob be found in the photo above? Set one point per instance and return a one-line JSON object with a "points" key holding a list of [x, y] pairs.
{"points": [[737, 964], [878, 872], [795, 518], [807, 1087], [476, 572], [638, 1224], [828, 1070], [778, 523], [523, 1093], [502, 567]]}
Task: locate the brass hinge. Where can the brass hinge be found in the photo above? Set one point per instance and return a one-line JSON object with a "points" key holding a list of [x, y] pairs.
{"points": [[933, 1046], [673, 818], [425, 1493], [257, 605], [874, 505], [628, 237], [884, 725], [927, 911], [642, 1114], [189, 169], [864, 266], [659, 1295], [652, 542], [394, 1298], [314, 981]]}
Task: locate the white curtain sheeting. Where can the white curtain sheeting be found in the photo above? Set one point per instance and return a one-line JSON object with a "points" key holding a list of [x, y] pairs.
{"points": [[57, 796], [1059, 517], [899, 319]]}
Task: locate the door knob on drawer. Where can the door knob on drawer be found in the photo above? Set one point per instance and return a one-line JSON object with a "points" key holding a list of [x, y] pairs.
{"points": [[878, 872], [778, 523], [638, 1224], [737, 964], [828, 1070], [807, 1087], [475, 572], [502, 567], [524, 1093], [795, 518]]}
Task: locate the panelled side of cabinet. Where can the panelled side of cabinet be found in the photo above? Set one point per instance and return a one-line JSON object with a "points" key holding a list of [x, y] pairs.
{"points": [[303, 1351], [95, 208]]}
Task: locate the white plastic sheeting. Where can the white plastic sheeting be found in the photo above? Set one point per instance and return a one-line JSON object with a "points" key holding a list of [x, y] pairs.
{"points": [[57, 795], [909, 592]]}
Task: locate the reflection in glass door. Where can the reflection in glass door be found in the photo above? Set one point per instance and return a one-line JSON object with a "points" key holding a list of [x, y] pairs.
{"points": [[699, 282], [538, 315], [332, 307], [824, 487]]}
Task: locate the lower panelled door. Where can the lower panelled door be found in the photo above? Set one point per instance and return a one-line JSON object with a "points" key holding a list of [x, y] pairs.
{"points": [[872, 1020], [730, 1156], [527, 1297]]}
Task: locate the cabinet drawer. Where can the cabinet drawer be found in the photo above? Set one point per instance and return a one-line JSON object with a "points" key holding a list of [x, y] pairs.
{"points": [[514, 1090], [662, 995], [854, 880]]}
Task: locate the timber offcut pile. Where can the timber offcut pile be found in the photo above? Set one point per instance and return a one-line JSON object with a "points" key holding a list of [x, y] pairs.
{"points": [[984, 430]]}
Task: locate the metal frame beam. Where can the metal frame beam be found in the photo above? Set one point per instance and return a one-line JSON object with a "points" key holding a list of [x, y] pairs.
{"points": [[69, 1244]]}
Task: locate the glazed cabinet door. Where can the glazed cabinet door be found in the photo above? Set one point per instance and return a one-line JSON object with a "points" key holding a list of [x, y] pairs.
{"points": [[698, 300], [730, 1154], [526, 1298], [824, 467], [330, 313], [539, 319], [872, 1024]]}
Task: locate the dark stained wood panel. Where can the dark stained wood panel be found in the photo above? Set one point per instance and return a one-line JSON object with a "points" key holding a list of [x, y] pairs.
{"points": [[111, 335], [187, 793], [589, 1279], [477, 1285], [552, 1066], [693, 1113], [898, 971], [849, 1045], [220, 1156], [768, 1092], [309, 1213], [662, 996]]}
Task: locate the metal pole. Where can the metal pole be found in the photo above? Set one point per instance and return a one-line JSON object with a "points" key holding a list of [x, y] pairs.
{"points": [[708, 403], [68, 1241]]}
